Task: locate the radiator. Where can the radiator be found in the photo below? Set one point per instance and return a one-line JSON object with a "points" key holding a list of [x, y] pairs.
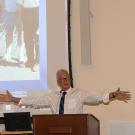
{"points": [[121, 128]]}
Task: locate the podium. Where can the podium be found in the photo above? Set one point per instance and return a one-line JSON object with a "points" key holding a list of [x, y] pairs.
{"points": [[67, 124]]}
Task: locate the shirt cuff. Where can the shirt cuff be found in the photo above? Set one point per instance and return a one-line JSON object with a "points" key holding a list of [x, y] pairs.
{"points": [[106, 98], [20, 102]]}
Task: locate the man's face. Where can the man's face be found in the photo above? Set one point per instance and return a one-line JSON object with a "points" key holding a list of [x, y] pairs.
{"points": [[64, 81]]}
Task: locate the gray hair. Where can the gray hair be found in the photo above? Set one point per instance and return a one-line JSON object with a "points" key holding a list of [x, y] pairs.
{"points": [[61, 71]]}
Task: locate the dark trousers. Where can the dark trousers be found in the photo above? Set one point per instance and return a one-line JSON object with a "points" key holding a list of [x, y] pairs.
{"points": [[30, 19]]}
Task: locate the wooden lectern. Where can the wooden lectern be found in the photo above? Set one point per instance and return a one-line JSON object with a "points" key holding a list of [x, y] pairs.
{"points": [[68, 124]]}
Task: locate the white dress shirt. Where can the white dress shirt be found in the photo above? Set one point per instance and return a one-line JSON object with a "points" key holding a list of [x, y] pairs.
{"points": [[74, 100]]}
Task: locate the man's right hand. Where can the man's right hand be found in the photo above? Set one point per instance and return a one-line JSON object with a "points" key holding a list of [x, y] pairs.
{"points": [[7, 97]]}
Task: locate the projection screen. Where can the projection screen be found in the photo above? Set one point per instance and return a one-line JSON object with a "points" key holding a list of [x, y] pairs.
{"points": [[33, 43]]}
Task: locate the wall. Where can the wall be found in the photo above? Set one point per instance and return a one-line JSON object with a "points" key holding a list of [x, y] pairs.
{"points": [[112, 48], [56, 39]]}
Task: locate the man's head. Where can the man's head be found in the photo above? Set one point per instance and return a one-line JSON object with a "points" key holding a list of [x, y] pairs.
{"points": [[63, 79]]}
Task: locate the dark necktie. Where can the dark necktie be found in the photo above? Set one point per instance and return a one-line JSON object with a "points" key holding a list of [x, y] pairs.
{"points": [[61, 107]]}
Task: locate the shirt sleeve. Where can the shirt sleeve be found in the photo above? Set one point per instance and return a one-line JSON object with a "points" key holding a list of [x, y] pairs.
{"points": [[94, 98], [35, 102]]}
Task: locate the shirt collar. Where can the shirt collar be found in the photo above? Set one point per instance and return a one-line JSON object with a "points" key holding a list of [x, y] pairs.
{"points": [[68, 90]]}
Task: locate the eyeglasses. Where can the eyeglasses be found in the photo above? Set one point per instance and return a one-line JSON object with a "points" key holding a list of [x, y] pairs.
{"points": [[64, 79]]}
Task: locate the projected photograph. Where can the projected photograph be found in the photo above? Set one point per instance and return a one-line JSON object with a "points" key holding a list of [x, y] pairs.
{"points": [[19, 40], [33, 43]]}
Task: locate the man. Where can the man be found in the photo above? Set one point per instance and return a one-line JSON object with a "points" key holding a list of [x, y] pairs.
{"points": [[74, 99], [12, 21], [30, 20]]}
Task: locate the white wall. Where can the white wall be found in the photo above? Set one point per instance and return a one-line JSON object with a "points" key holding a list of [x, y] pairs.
{"points": [[56, 39], [113, 56]]}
